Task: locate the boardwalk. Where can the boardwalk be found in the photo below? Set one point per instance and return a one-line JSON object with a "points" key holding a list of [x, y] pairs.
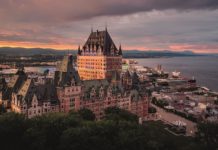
{"points": [[170, 117]]}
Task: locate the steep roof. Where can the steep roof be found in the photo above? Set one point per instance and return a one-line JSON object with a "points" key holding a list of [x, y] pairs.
{"points": [[13, 81], [66, 64], [66, 73], [17, 80], [4, 90], [20, 71], [94, 83], [14, 84], [88, 85], [135, 78], [27, 90], [46, 92], [100, 42]]}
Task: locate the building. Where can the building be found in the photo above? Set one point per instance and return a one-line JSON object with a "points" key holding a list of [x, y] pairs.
{"points": [[14, 85], [33, 99], [68, 84], [99, 57], [96, 84], [97, 94], [68, 92]]}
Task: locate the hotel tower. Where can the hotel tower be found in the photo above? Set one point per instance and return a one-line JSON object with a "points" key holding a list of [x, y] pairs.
{"points": [[99, 58]]}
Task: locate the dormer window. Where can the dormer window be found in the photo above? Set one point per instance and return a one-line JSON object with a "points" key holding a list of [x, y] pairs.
{"points": [[93, 93], [101, 92]]}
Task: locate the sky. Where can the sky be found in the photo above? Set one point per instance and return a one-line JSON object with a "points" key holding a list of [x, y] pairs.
{"points": [[177, 25]]}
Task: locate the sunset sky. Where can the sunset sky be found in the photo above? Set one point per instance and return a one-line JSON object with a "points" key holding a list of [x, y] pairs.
{"points": [[136, 24]]}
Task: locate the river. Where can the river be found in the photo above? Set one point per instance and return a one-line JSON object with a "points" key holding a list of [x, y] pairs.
{"points": [[203, 68]]}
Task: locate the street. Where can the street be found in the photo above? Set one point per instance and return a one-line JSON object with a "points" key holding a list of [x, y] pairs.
{"points": [[170, 117]]}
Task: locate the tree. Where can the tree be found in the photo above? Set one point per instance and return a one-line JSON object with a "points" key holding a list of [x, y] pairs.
{"points": [[2, 109], [12, 128], [154, 100], [86, 114], [45, 131], [152, 110], [208, 134], [117, 114], [119, 130]]}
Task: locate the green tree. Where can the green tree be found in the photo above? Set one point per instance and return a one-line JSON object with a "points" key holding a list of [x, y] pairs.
{"points": [[152, 110], [12, 128], [117, 114], [2, 109], [208, 134], [45, 131], [119, 130], [86, 114]]}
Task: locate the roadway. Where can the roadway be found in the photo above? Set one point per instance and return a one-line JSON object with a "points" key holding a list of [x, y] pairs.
{"points": [[170, 118]]}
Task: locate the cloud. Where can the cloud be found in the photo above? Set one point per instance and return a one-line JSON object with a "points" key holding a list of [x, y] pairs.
{"points": [[71, 10], [201, 48], [138, 24]]}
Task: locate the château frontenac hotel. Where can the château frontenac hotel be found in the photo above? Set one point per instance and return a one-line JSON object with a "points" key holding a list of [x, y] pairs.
{"points": [[97, 82]]}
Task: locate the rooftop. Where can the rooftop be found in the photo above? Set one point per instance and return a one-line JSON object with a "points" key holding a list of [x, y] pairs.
{"points": [[100, 42]]}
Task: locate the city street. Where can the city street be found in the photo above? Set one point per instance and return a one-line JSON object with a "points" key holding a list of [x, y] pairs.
{"points": [[170, 117]]}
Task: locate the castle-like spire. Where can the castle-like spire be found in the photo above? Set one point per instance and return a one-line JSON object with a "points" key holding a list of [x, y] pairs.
{"points": [[120, 50], [79, 51], [91, 29], [20, 70], [106, 26]]}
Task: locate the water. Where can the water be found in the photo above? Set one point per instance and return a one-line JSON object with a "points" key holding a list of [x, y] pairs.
{"points": [[204, 69], [40, 69]]}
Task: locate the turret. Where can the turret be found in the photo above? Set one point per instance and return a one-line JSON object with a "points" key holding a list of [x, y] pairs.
{"points": [[120, 51], [79, 51]]}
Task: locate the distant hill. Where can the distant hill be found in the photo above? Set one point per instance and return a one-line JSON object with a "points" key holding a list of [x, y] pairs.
{"points": [[127, 54], [18, 51], [154, 54]]}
